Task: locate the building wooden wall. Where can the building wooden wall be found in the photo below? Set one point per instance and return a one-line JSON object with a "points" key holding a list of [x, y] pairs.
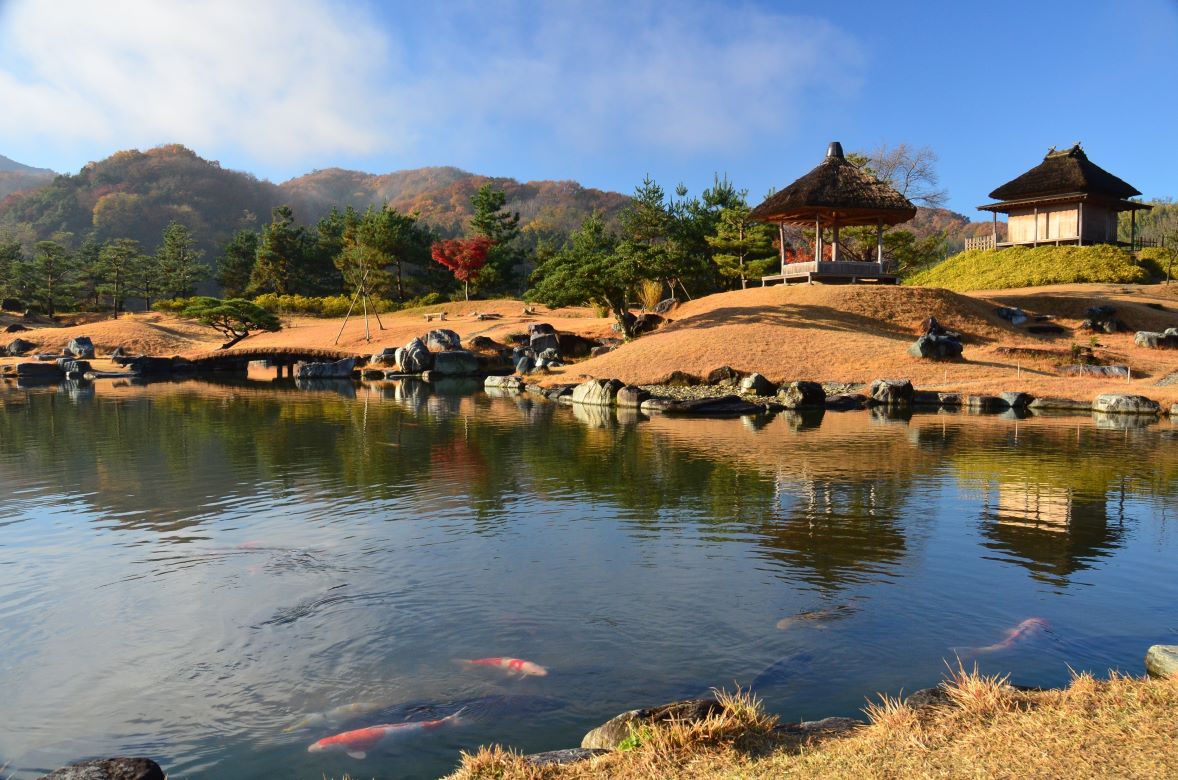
{"points": [[1060, 223]]}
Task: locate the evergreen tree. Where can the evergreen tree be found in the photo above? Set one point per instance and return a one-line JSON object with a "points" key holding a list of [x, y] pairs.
{"points": [[494, 222], [146, 279], [236, 263], [280, 255], [89, 277], [742, 248], [178, 262], [11, 269], [120, 259], [52, 272]]}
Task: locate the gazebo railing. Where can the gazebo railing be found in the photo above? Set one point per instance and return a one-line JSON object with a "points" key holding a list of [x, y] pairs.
{"points": [[981, 242]]}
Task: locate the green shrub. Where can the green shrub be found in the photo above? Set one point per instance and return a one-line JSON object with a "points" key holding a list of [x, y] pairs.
{"points": [[327, 306], [987, 269], [1159, 261], [174, 306]]}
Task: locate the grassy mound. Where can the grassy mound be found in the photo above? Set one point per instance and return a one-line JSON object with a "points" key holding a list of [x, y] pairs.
{"points": [[983, 269]]}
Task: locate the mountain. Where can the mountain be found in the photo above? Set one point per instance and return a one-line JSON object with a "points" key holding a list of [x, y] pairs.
{"points": [[135, 194], [16, 177], [957, 227]]}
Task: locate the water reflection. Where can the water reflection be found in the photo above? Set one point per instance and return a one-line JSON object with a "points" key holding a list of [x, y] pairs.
{"points": [[232, 556]]}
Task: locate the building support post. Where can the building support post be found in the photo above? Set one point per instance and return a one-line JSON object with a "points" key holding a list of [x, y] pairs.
{"points": [[1080, 226], [817, 239], [781, 244], [879, 243], [994, 231], [1132, 228], [1036, 241], [834, 242]]}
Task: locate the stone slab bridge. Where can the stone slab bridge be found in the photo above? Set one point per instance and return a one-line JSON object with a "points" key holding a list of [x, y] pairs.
{"points": [[238, 360]]}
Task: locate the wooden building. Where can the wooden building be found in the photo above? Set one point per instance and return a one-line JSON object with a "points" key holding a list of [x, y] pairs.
{"points": [[1066, 199], [834, 195]]}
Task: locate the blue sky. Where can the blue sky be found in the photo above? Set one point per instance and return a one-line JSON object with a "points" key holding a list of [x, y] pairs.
{"points": [[602, 93]]}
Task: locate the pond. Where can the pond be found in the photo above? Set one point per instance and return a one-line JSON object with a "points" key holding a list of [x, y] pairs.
{"points": [[188, 570]]}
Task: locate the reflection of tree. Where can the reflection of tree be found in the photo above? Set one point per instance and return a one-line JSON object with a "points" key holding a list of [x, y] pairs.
{"points": [[832, 533]]}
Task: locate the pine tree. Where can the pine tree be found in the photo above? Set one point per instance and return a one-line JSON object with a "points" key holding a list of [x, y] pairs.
{"points": [[236, 263], [280, 255], [178, 261], [120, 258], [52, 271], [742, 249], [494, 222]]}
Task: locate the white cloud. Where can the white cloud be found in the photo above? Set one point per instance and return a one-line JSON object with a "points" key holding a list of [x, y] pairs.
{"points": [[687, 77], [282, 82], [276, 80]]}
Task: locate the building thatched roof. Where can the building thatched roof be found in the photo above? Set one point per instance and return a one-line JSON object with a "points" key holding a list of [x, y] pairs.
{"points": [[836, 192], [1064, 173]]}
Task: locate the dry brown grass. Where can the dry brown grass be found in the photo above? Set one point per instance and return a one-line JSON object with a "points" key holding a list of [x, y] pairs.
{"points": [[1120, 728]]}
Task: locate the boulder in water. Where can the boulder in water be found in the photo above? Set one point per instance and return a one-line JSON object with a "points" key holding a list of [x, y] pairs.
{"points": [[596, 392], [892, 392], [1115, 403], [414, 358], [801, 395], [441, 339], [1162, 661], [339, 369], [456, 362], [755, 384]]}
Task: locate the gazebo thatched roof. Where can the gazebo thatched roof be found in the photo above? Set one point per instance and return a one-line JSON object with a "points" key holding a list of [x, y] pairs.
{"points": [[836, 192], [1064, 173]]}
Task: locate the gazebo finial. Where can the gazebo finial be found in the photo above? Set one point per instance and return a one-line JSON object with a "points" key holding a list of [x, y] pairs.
{"points": [[835, 150]]}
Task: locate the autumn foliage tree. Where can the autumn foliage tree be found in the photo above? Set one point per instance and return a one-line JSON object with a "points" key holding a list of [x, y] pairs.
{"points": [[463, 256]]}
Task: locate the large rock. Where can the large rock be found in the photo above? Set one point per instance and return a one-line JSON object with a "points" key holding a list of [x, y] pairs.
{"points": [[109, 769], [414, 358], [1162, 661], [441, 339], [38, 371], [387, 357], [801, 395], [505, 382], [645, 323], [604, 349], [846, 402], [71, 366], [542, 336], [456, 362], [666, 305], [724, 406], [81, 347], [1017, 400], [936, 348], [1114, 403], [18, 347], [611, 733], [1015, 316], [1145, 338], [16, 327], [631, 397], [722, 374], [657, 405], [892, 392], [597, 392], [339, 369], [1174, 409], [755, 384], [525, 364], [985, 403]]}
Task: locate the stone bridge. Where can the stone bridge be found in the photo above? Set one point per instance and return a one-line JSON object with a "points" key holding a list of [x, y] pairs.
{"points": [[238, 360]]}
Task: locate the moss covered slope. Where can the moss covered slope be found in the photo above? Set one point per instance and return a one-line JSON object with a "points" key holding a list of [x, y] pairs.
{"points": [[982, 269]]}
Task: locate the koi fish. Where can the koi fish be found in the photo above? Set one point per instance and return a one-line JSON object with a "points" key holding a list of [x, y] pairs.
{"points": [[358, 742], [816, 616], [509, 665], [1021, 631], [334, 716]]}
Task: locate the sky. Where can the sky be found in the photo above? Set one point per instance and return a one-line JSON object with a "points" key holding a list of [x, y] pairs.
{"points": [[602, 92]]}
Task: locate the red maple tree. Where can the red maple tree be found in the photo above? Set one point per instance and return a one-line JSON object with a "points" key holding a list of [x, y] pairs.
{"points": [[463, 256]]}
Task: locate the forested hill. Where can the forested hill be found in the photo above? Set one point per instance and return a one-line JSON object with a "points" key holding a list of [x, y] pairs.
{"points": [[442, 196], [15, 176], [134, 194]]}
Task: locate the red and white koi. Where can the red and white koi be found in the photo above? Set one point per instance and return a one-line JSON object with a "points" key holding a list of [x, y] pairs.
{"points": [[358, 742], [1021, 631], [510, 665]]}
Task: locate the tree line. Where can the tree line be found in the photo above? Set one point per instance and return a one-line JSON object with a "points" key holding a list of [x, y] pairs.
{"points": [[663, 244]]}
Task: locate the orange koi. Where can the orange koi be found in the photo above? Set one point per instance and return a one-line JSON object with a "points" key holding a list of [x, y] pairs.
{"points": [[509, 665], [1021, 631], [358, 742]]}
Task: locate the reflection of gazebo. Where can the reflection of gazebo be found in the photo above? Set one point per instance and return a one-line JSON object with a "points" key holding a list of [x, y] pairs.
{"points": [[834, 195]]}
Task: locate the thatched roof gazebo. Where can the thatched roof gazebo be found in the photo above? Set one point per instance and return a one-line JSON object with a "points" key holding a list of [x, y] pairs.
{"points": [[1065, 199], [834, 195]]}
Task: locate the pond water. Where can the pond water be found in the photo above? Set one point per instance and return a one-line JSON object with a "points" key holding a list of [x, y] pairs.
{"points": [[189, 569]]}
